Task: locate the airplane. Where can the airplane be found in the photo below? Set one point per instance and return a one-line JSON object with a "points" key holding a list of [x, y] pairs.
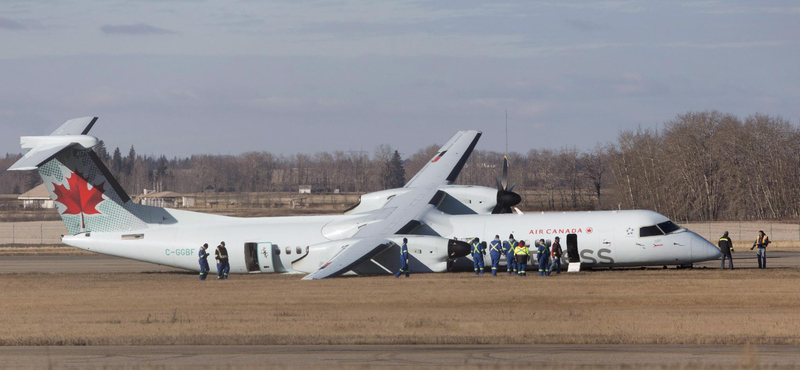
{"points": [[437, 217]]}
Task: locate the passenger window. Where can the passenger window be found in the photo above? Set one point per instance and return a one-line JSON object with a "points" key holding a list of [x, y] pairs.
{"points": [[299, 250], [288, 250], [650, 231], [277, 251]]}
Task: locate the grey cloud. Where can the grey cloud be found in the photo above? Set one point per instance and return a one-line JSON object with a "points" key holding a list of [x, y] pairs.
{"points": [[134, 29], [10, 24], [582, 25]]}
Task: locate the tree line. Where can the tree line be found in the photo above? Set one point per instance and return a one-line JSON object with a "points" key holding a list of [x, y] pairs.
{"points": [[698, 166]]}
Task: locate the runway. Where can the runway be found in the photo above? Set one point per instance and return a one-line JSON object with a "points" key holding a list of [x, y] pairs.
{"points": [[200, 357]]}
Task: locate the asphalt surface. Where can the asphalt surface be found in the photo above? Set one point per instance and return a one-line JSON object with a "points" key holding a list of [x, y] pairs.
{"points": [[202, 357]]}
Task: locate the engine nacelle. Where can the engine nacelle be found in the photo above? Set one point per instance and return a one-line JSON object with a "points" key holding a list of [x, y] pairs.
{"points": [[460, 200], [468, 199], [426, 254]]}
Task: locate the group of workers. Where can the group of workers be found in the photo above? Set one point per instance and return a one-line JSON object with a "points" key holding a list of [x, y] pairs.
{"points": [[726, 247], [221, 256], [517, 254]]}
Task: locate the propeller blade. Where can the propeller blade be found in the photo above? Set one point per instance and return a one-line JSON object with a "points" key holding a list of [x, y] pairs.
{"points": [[498, 209], [511, 188], [499, 185]]}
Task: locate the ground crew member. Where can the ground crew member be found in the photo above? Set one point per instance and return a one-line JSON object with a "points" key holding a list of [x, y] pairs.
{"points": [[521, 254], [726, 247], [761, 252], [223, 266], [403, 259], [203, 260], [495, 250], [477, 256], [508, 248], [543, 256], [556, 254]]}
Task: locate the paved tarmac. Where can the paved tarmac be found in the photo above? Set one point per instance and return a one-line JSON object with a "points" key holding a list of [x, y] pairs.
{"points": [[202, 357], [76, 263]]}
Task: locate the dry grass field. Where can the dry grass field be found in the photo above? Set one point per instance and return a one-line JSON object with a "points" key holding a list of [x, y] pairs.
{"points": [[612, 307]]}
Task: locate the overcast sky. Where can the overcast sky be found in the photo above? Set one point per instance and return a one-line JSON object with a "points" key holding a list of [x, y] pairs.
{"points": [[184, 77]]}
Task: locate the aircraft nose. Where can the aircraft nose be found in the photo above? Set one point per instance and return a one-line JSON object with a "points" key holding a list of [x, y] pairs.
{"points": [[703, 250]]}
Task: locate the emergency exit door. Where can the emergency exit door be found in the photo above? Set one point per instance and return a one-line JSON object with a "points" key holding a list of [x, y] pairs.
{"points": [[572, 248]]}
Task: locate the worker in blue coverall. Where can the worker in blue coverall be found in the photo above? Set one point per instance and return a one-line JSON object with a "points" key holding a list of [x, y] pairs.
{"points": [[477, 256], [495, 250], [521, 254], [203, 260], [223, 265], [543, 256], [403, 259], [508, 249]]}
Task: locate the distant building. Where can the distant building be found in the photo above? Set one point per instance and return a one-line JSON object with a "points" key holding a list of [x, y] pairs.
{"points": [[36, 198], [209, 189], [169, 199], [305, 189]]}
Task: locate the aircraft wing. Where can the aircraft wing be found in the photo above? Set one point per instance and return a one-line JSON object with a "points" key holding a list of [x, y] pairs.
{"points": [[445, 166], [354, 254], [401, 214]]}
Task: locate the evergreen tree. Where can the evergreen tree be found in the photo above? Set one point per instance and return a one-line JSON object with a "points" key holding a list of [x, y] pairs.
{"points": [[16, 189], [116, 161], [397, 174], [130, 160], [101, 151]]}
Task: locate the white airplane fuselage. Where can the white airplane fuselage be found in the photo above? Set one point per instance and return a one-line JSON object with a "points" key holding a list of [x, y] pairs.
{"points": [[303, 244]]}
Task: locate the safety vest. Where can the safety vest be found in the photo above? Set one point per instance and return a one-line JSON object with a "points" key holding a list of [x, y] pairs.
{"points": [[221, 254], [494, 246], [512, 245], [522, 251], [541, 250], [724, 239], [403, 249], [762, 241], [476, 248]]}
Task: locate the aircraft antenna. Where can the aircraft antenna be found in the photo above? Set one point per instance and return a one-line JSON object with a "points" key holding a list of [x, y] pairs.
{"points": [[506, 153]]}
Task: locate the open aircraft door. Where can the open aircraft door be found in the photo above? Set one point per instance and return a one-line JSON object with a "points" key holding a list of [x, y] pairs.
{"points": [[259, 257]]}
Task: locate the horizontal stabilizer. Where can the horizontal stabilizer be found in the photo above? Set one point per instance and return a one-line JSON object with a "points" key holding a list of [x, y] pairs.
{"points": [[44, 148], [76, 126]]}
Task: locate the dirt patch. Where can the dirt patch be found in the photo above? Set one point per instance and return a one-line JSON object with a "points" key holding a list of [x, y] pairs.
{"points": [[614, 307]]}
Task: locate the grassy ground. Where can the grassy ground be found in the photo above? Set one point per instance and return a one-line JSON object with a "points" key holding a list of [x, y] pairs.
{"points": [[632, 307]]}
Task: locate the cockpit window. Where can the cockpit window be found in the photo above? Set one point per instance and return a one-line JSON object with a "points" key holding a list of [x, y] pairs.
{"points": [[650, 231], [669, 227]]}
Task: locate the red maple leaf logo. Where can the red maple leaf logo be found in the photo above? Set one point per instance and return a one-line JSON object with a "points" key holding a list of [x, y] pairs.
{"points": [[79, 199]]}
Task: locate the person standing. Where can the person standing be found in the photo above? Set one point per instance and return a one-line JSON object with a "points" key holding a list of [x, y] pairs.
{"points": [[726, 247], [761, 252], [403, 259], [543, 257], [203, 260], [223, 266], [556, 254], [495, 247], [477, 256], [508, 248], [521, 254]]}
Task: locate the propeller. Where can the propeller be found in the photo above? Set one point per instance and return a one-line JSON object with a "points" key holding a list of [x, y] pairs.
{"points": [[506, 198]]}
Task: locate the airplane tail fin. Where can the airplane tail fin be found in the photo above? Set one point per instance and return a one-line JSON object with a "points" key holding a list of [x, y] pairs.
{"points": [[86, 195]]}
